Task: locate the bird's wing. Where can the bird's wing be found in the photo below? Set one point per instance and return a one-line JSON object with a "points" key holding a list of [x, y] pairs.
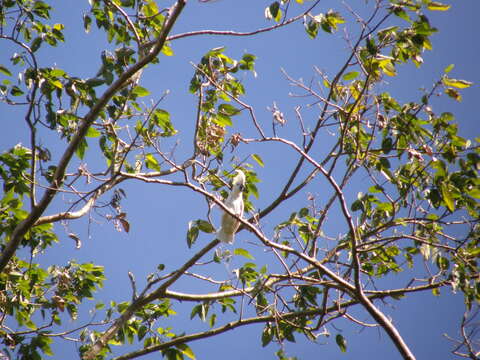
{"points": [[230, 224]]}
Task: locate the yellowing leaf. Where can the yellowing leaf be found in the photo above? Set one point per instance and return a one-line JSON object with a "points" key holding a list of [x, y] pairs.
{"points": [[57, 84], [436, 6], [167, 50], [454, 94], [151, 162], [185, 350], [457, 83], [387, 67]]}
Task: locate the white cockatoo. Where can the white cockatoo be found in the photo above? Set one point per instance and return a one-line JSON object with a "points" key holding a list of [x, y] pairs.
{"points": [[234, 202]]}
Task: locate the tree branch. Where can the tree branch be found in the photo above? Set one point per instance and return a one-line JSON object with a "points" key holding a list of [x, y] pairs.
{"points": [[263, 319], [22, 228]]}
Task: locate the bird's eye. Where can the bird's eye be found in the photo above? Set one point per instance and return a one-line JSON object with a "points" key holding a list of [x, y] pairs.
{"points": [[241, 187]]}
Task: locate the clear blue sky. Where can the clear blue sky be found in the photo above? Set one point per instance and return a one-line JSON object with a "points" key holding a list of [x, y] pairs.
{"points": [[159, 216]]}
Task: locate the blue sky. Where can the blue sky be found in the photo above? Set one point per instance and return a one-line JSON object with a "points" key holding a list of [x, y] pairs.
{"points": [[159, 216]]}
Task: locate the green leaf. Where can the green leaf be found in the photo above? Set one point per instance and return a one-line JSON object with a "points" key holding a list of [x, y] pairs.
{"points": [[222, 120], [474, 252], [87, 22], [398, 11], [273, 11], [36, 43], [16, 91], [351, 75], [341, 342], [303, 212], [475, 192], [185, 350], [387, 145], [140, 91], [205, 226], [311, 27], [151, 162], [162, 119], [449, 68], [82, 147], [192, 233], [258, 159], [92, 132], [456, 83], [443, 263], [243, 252], [436, 6], [267, 336], [447, 197], [5, 71], [228, 109]]}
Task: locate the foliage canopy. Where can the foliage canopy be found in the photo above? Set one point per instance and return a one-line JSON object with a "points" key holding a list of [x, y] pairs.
{"points": [[400, 178]]}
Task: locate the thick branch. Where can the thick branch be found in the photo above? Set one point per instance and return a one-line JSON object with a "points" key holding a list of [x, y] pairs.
{"points": [[144, 300]]}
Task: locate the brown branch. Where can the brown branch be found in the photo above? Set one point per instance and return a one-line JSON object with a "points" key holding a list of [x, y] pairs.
{"points": [[101, 342], [237, 33], [369, 306]]}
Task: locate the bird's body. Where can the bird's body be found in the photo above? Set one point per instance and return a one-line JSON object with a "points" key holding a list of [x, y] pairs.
{"points": [[234, 202]]}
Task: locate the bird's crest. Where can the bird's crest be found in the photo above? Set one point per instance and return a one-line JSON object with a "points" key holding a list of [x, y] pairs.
{"points": [[239, 179]]}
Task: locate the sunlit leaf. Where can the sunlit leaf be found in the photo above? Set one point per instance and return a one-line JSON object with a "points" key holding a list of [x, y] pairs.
{"points": [[222, 120], [351, 75], [92, 132], [185, 350], [140, 91], [460, 84], [167, 50], [243, 252], [151, 162], [449, 68], [437, 6]]}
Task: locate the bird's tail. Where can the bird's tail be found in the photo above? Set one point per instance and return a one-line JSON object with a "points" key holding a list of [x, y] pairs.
{"points": [[224, 237]]}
